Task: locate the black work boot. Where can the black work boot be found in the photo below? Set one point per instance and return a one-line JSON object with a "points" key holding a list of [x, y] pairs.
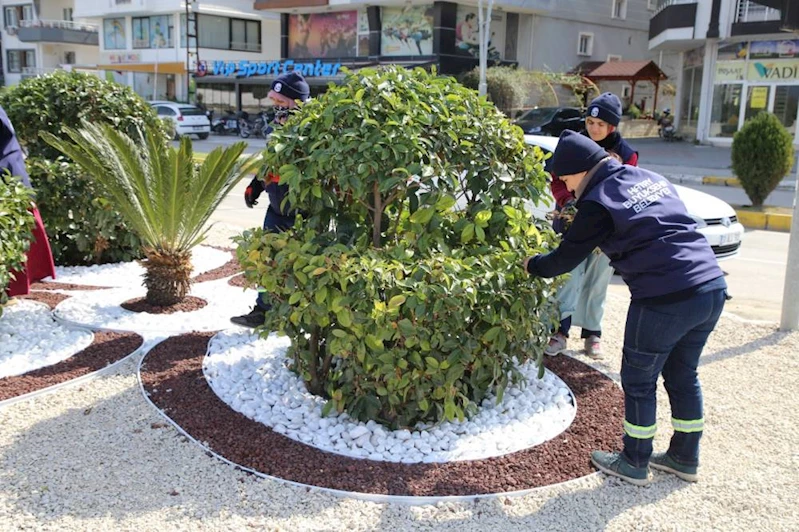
{"points": [[254, 319]]}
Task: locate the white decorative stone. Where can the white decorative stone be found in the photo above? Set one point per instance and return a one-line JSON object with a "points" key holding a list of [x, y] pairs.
{"points": [[527, 416], [31, 339]]}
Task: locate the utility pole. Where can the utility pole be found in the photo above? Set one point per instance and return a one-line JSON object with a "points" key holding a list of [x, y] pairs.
{"points": [[484, 34], [790, 294], [191, 33]]}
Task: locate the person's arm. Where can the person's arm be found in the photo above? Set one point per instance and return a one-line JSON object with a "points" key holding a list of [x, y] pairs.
{"points": [[591, 226], [560, 192]]}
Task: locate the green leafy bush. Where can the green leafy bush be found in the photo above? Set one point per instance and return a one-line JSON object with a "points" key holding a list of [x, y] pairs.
{"points": [[634, 112], [762, 155], [402, 289], [16, 226], [82, 227]]}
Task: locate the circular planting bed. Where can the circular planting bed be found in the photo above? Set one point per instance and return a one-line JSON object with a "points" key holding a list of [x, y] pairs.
{"points": [[37, 353], [172, 377], [250, 374], [140, 304], [240, 281]]}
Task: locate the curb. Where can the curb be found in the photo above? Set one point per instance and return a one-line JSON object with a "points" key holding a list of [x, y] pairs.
{"points": [[734, 182], [765, 221]]}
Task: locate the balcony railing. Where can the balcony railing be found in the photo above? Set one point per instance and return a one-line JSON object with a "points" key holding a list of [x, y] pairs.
{"points": [[663, 4], [29, 72], [749, 11], [59, 24]]}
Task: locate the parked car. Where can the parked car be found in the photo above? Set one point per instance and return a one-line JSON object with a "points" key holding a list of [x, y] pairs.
{"points": [[551, 121], [188, 119], [714, 217]]}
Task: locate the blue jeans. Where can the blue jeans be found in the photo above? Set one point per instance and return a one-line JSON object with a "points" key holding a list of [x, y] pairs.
{"points": [[273, 223], [668, 339]]}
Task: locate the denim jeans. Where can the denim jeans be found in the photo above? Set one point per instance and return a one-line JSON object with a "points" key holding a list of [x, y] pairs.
{"points": [[274, 224], [667, 339]]}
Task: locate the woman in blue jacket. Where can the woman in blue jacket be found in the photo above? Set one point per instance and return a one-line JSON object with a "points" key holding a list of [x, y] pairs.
{"points": [[678, 292]]}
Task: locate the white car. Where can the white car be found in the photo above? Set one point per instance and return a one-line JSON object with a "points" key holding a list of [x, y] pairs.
{"points": [[714, 217], [188, 119]]}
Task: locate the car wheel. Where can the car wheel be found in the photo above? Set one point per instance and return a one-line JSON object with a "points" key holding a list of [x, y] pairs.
{"points": [[202, 136]]}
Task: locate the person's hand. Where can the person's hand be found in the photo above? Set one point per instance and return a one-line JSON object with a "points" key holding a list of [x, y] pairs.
{"points": [[249, 198], [526, 261]]}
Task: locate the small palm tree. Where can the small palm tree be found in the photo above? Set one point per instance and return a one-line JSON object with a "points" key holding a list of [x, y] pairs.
{"points": [[162, 194]]}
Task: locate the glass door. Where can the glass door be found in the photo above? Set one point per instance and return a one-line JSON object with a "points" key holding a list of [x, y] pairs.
{"points": [[757, 100], [786, 106]]}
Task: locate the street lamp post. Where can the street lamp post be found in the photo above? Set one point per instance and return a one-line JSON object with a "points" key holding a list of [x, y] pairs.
{"points": [[484, 34], [790, 293]]}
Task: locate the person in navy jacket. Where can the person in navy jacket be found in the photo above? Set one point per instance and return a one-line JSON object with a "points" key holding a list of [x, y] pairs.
{"points": [[678, 292], [39, 263], [287, 89], [582, 298]]}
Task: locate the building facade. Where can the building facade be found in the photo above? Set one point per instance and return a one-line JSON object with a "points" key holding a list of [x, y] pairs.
{"points": [[40, 37], [157, 46], [738, 58]]}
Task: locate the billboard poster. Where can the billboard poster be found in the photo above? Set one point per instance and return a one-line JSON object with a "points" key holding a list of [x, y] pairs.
{"points": [[467, 40], [313, 35], [733, 52], [114, 34], [786, 48], [407, 30], [774, 70]]}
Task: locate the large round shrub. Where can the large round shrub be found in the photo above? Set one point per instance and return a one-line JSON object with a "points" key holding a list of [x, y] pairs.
{"points": [[401, 284], [81, 226], [16, 226], [762, 155]]}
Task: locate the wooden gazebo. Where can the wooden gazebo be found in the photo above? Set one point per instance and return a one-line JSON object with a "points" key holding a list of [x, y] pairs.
{"points": [[630, 71]]}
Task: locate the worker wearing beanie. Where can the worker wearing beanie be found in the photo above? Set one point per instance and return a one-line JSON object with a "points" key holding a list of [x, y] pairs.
{"points": [[582, 299], [678, 292], [286, 90]]}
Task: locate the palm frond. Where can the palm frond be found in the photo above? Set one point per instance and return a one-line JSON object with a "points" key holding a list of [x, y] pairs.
{"points": [[160, 192]]}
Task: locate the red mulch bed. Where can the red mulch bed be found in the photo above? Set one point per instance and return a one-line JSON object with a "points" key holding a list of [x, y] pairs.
{"points": [[51, 299], [231, 267], [106, 349], [189, 304], [239, 281], [172, 376], [55, 285]]}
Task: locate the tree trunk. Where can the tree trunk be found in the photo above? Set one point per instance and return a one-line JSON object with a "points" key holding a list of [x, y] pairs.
{"points": [[167, 276]]}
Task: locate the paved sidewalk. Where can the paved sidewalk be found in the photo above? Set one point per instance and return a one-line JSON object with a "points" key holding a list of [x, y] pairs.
{"points": [[687, 163]]}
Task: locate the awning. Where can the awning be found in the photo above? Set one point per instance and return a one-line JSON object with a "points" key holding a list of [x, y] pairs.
{"points": [[163, 68]]}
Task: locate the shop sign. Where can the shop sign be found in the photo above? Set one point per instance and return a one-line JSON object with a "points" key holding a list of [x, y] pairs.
{"points": [[118, 59], [730, 70], [785, 48], [248, 69], [775, 70]]}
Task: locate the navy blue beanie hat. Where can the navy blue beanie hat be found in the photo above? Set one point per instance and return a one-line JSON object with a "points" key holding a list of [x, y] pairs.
{"points": [[576, 153], [292, 85], [606, 107]]}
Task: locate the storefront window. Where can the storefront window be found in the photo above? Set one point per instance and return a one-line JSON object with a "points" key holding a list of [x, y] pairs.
{"points": [[726, 108], [218, 97], [114, 34], [689, 103], [253, 98], [786, 106], [153, 32]]}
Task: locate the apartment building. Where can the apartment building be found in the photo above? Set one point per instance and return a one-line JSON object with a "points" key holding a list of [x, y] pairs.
{"points": [[162, 48], [738, 58], [41, 36]]}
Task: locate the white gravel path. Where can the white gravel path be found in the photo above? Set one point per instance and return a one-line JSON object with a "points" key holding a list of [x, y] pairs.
{"points": [[31, 339], [101, 310], [129, 274], [249, 374], [96, 457]]}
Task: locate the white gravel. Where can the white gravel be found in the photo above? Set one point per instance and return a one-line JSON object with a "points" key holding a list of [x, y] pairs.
{"points": [[97, 457], [129, 274], [101, 310], [31, 339], [250, 374]]}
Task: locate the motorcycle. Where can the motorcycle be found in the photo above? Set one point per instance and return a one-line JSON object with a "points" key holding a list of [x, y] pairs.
{"points": [[228, 123], [256, 128], [666, 129]]}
